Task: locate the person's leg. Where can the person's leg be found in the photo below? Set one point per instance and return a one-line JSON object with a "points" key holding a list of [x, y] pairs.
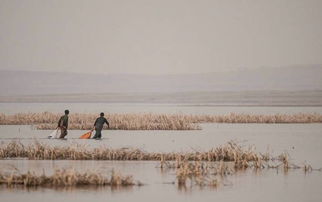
{"points": [[97, 134], [63, 133]]}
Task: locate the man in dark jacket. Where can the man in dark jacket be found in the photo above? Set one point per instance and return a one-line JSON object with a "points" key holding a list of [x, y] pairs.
{"points": [[98, 125], [63, 124]]}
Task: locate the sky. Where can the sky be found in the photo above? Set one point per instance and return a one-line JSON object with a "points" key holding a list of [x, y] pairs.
{"points": [[158, 37]]}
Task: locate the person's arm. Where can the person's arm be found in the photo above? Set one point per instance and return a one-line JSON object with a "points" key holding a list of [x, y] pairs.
{"points": [[59, 122], [66, 122], [108, 124], [94, 125]]}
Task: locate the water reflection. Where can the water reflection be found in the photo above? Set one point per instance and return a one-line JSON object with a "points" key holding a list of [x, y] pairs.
{"points": [[67, 189]]}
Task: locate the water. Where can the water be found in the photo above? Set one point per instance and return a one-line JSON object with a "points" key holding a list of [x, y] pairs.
{"points": [[301, 141]]}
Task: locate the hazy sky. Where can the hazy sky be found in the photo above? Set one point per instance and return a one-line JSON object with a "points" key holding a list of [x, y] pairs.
{"points": [[164, 36]]}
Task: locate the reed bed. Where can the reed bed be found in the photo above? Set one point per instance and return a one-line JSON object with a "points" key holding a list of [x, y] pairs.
{"points": [[211, 173], [202, 173], [207, 168], [260, 118], [206, 173], [149, 121], [65, 178], [36, 150]]}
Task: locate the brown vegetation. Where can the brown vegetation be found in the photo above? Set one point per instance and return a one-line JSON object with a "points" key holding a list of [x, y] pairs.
{"points": [[47, 120], [228, 152], [149, 121], [202, 173], [64, 178], [207, 173], [199, 168]]}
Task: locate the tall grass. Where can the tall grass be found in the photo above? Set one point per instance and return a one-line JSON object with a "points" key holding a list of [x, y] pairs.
{"points": [[149, 121], [202, 173], [208, 173], [203, 168], [228, 152], [65, 178]]}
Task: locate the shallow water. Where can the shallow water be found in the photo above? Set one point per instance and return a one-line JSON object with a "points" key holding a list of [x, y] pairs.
{"points": [[301, 141]]}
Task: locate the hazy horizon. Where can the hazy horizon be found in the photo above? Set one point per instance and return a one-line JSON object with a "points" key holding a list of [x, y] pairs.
{"points": [[158, 37], [77, 46], [297, 78], [241, 69]]}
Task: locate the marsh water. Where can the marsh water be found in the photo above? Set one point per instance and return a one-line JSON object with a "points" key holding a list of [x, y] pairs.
{"points": [[302, 141]]}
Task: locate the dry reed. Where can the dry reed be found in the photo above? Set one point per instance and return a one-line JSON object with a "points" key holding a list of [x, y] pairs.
{"points": [[65, 178], [228, 152], [149, 121], [201, 173], [47, 120], [205, 173], [200, 168], [208, 173]]}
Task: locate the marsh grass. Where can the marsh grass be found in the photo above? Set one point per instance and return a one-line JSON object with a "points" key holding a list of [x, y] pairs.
{"points": [[149, 121], [213, 173], [204, 169], [36, 150], [65, 178]]}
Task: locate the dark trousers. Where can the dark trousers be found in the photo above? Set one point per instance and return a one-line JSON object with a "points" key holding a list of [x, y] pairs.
{"points": [[63, 132], [98, 134]]}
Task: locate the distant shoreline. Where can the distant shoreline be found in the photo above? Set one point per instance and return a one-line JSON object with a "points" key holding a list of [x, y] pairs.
{"points": [[198, 98], [173, 104]]}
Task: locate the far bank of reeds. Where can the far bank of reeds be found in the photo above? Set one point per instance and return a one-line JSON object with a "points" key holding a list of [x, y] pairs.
{"points": [[65, 178], [149, 121]]}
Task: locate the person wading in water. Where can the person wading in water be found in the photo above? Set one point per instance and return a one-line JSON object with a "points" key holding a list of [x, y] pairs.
{"points": [[98, 126], [63, 124]]}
